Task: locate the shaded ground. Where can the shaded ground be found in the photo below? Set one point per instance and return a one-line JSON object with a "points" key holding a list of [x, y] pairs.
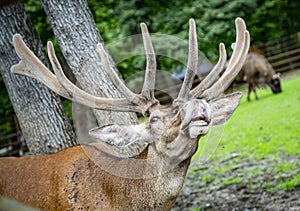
{"points": [[250, 187]]}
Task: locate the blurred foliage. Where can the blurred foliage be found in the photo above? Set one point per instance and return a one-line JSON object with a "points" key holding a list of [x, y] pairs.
{"points": [[266, 20], [38, 17]]}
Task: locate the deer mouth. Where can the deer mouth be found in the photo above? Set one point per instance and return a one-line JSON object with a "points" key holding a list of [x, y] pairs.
{"points": [[198, 126], [199, 121]]}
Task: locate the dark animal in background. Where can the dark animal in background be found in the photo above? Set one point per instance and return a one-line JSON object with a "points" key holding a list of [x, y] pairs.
{"points": [[258, 73]]}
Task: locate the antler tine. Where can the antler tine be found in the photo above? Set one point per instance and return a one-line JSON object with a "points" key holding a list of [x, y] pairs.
{"points": [[213, 76], [113, 75], [146, 99], [192, 63], [235, 64], [79, 95], [31, 66], [29, 63], [240, 29], [149, 79]]}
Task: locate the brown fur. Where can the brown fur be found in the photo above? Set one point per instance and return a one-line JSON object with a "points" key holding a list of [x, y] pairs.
{"points": [[258, 72], [69, 180]]}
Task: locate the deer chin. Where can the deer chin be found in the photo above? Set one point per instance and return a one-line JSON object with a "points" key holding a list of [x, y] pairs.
{"points": [[195, 128], [198, 128]]}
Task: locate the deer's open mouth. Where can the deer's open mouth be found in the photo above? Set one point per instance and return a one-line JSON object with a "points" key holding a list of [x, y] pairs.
{"points": [[197, 126], [199, 121]]}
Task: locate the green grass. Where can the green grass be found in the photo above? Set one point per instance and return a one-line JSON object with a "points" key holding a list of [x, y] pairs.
{"points": [[290, 184], [265, 129]]}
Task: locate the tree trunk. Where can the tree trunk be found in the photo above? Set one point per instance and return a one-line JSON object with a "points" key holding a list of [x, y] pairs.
{"points": [[77, 36], [39, 111]]}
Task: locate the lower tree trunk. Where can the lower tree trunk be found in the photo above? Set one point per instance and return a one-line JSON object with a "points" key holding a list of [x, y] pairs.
{"points": [[39, 111]]}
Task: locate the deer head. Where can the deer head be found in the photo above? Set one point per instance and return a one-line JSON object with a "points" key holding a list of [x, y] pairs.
{"points": [[171, 132]]}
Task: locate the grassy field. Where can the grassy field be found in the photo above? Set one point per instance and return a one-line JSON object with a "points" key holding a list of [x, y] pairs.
{"points": [[265, 130]]}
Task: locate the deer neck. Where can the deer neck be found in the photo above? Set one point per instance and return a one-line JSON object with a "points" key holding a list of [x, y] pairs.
{"points": [[170, 156], [147, 175], [157, 160]]}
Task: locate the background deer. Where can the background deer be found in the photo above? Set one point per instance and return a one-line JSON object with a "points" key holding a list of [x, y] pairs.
{"points": [[258, 72], [150, 160]]}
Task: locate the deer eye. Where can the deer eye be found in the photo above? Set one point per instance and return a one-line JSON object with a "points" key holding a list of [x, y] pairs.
{"points": [[175, 110], [154, 119]]}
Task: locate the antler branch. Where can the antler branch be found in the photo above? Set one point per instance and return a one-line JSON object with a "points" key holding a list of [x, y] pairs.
{"points": [[235, 64], [213, 76], [146, 99], [118, 83], [149, 80], [31, 66], [192, 63], [29, 63]]}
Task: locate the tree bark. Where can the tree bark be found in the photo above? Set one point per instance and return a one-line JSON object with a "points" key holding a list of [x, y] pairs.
{"points": [[75, 30], [39, 111]]}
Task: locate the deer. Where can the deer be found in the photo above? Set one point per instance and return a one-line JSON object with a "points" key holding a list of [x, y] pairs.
{"points": [[258, 72], [149, 160]]}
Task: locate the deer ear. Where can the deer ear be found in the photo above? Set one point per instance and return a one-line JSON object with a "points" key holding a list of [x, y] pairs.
{"points": [[122, 141], [223, 108]]}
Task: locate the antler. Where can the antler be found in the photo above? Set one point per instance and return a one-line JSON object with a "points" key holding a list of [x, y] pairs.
{"points": [[31, 66], [213, 76], [149, 80], [192, 63], [209, 90]]}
